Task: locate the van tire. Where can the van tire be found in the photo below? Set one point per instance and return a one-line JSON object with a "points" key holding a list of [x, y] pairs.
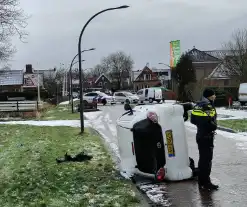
{"points": [[150, 100]]}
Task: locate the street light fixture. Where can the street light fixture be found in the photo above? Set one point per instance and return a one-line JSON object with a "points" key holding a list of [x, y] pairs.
{"points": [[79, 54]]}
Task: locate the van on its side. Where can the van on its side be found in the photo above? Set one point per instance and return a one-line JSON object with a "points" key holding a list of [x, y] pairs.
{"points": [[242, 93], [150, 94]]}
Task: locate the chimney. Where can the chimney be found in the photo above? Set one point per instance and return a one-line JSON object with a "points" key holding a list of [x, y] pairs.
{"points": [[29, 68]]}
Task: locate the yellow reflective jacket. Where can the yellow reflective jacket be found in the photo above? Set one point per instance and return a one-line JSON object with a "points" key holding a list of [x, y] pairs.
{"points": [[204, 117]]}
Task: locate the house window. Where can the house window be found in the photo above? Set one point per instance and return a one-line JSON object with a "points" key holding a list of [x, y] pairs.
{"points": [[147, 76], [100, 83]]}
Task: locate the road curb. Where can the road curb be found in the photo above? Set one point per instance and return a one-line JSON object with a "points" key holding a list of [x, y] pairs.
{"points": [[226, 129]]}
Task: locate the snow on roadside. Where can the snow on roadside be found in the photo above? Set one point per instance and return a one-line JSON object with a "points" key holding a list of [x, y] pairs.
{"points": [[67, 102], [103, 123], [70, 123], [231, 113], [240, 138]]}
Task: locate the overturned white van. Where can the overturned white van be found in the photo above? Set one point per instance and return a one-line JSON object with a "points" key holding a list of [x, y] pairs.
{"points": [[152, 142]]}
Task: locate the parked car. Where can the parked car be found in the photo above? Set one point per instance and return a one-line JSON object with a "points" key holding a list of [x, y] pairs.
{"points": [[98, 97], [150, 94], [242, 93], [123, 96]]}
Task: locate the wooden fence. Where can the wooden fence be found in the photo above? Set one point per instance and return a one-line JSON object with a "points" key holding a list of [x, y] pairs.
{"points": [[20, 106]]}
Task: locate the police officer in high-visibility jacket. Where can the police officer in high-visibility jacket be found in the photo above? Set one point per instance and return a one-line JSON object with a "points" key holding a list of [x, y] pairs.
{"points": [[204, 117]]}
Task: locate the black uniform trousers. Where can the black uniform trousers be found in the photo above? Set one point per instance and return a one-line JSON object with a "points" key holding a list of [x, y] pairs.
{"points": [[205, 146]]}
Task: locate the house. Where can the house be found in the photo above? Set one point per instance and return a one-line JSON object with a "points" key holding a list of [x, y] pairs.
{"points": [[164, 76], [145, 78], [11, 80], [34, 77], [210, 72], [102, 82], [123, 82]]}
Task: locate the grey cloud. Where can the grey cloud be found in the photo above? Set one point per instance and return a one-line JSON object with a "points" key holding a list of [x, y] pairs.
{"points": [[144, 30]]}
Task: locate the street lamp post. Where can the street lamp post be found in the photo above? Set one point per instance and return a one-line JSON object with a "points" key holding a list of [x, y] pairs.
{"points": [[71, 87], [79, 57], [71, 79], [103, 83]]}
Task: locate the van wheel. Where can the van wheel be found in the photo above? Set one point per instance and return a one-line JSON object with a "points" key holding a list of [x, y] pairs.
{"points": [[150, 100]]}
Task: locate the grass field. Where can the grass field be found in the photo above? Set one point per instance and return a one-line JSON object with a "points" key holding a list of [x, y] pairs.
{"points": [[239, 125], [30, 176], [59, 113]]}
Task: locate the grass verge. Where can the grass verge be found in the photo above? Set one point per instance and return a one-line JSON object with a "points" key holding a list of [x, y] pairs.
{"points": [[59, 113], [238, 125], [30, 176]]}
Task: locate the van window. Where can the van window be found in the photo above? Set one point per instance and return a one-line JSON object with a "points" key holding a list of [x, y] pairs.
{"points": [[146, 92], [139, 92]]}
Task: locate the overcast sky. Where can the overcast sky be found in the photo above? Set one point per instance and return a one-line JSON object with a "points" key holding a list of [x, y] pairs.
{"points": [[144, 30]]}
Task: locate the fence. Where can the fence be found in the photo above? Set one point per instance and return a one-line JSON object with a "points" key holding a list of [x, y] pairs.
{"points": [[20, 106]]}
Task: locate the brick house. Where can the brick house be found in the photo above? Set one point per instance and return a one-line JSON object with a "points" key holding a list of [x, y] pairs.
{"points": [[145, 78], [210, 72], [102, 82]]}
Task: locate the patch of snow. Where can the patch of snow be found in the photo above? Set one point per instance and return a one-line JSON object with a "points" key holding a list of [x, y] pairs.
{"points": [[156, 193], [98, 121], [71, 123], [93, 115], [235, 136], [67, 102], [232, 113], [241, 138]]}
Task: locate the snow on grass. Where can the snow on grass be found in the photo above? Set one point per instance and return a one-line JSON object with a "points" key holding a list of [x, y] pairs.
{"points": [[231, 113], [60, 113], [68, 102], [30, 176], [71, 123]]}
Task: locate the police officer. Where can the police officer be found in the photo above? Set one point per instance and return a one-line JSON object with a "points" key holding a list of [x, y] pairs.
{"points": [[204, 117]]}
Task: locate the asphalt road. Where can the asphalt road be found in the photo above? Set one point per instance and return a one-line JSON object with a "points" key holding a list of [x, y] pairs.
{"points": [[229, 168]]}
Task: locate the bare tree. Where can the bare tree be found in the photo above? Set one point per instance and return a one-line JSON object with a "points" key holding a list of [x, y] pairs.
{"points": [[54, 81], [98, 70], [119, 66], [236, 56], [13, 22]]}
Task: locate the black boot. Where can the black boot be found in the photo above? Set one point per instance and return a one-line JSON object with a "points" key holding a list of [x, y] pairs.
{"points": [[209, 186]]}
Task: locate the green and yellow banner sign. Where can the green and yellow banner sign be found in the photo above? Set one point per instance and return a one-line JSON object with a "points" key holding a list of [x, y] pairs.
{"points": [[175, 52]]}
